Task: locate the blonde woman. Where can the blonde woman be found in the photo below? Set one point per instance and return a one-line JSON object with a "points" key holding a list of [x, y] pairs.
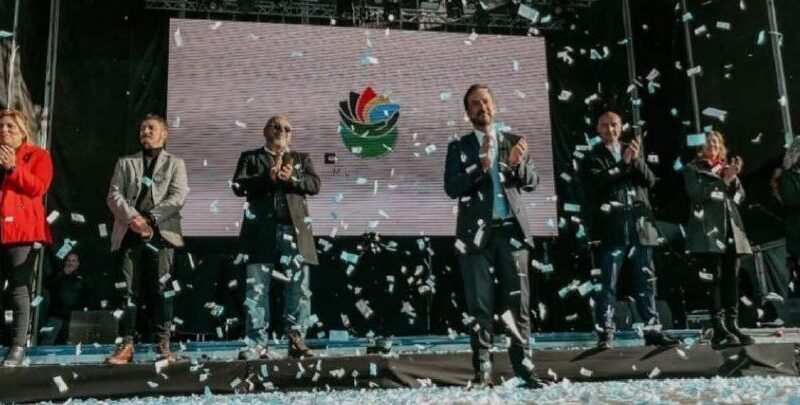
{"points": [[26, 171], [716, 234]]}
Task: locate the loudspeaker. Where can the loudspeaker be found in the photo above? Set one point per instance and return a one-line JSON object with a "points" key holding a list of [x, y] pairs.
{"points": [[789, 312], [92, 326]]}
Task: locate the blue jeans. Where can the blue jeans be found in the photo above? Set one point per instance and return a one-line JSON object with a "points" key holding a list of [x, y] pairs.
{"points": [[612, 259], [296, 294]]}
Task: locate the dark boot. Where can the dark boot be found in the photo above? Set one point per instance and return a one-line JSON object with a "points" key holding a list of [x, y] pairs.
{"points": [[723, 338], [14, 357], [297, 346], [123, 354], [732, 322], [605, 339], [483, 376]]}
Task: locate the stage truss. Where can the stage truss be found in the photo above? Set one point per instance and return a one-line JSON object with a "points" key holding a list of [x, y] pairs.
{"points": [[500, 17]]}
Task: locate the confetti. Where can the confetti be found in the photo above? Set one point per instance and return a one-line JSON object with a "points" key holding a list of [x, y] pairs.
{"points": [[178, 38], [529, 13], [715, 113], [53, 217], [695, 71], [60, 384], [694, 140]]}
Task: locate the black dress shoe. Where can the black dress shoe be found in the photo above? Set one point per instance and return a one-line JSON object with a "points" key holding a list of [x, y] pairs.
{"points": [[533, 383], [724, 341], [660, 339], [14, 357], [733, 327]]}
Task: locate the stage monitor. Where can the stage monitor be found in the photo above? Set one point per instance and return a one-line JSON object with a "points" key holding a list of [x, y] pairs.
{"points": [[374, 108]]}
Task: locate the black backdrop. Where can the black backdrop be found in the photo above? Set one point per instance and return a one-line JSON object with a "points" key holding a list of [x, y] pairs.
{"points": [[112, 70]]}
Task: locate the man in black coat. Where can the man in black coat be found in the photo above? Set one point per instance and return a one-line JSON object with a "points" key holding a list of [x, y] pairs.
{"points": [[487, 170], [623, 222], [276, 235]]}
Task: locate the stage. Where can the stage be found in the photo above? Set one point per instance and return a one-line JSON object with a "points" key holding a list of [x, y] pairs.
{"points": [[414, 362]]}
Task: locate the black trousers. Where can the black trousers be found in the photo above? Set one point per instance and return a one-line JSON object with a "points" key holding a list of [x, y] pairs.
{"points": [[725, 285], [17, 263], [144, 267], [496, 280]]}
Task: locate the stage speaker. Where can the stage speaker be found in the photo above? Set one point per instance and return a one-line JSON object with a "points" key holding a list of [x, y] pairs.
{"points": [[789, 312], [92, 326]]}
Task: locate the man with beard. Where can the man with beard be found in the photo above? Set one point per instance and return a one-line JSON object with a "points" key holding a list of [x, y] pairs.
{"points": [[148, 190], [487, 170]]}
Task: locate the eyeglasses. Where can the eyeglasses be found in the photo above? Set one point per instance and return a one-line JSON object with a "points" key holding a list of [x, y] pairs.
{"points": [[279, 127]]}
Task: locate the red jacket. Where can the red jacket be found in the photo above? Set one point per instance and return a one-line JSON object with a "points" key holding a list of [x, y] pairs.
{"points": [[22, 192]]}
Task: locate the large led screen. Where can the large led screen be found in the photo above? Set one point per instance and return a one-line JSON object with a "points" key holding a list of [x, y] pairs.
{"points": [[404, 88]]}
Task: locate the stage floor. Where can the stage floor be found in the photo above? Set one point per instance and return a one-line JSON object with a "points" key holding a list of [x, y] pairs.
{"points": [[61, 372]]}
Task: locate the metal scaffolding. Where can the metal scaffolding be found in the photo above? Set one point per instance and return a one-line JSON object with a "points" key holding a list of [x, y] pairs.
{"points": [[425, 16]]}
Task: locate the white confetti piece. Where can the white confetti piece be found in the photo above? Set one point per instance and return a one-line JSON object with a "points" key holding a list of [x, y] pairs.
{"points": [[60, 384], [53, 217], [695, 71], [528, 13], [178, 38], [565, 95]]}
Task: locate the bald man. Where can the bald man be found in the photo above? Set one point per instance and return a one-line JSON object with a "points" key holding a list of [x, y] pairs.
{"points": [[623, 222], [277, 236]]}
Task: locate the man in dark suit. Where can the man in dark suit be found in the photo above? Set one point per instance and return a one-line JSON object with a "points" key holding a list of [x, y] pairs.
{"points": [[487, 170], [623, 222], [276, 235], [147, 191]]}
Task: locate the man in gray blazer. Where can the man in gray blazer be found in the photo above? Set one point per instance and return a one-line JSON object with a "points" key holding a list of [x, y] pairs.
{"points": [[276, 235], [487, 170], [147, 192]]}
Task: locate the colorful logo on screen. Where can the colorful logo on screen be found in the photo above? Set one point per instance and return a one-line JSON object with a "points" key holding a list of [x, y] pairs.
{"points": [[369, 123]]}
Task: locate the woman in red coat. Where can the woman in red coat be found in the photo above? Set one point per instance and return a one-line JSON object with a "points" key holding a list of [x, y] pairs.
{"points": [[26, 171]]}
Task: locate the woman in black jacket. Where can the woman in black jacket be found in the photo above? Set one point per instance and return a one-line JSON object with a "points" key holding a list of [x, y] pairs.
{"points": [[716, 234]]}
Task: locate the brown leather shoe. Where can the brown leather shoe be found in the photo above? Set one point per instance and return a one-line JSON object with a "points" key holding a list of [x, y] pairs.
{"points": [[297, 346], [122, 355], [164, 352]]}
